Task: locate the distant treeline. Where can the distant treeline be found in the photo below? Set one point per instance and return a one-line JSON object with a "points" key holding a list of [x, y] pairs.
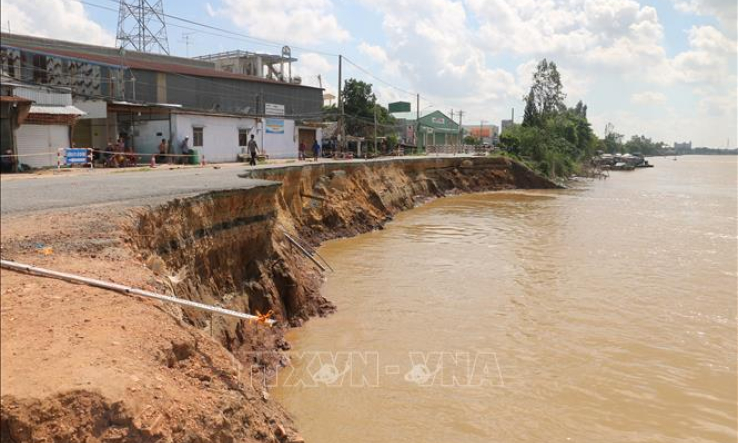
{"points": [[558, 141], [700, 151]]}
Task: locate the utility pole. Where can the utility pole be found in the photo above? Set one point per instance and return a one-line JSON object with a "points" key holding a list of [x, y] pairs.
{"points": [[461, 128], [341, 130], [481, 130], [417, 120], [452, 114], [187, 40], [512, 117], [375, 129]]}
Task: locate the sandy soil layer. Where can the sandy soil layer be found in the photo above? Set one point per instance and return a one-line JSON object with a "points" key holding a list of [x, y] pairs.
{"points": [[81, 364]]}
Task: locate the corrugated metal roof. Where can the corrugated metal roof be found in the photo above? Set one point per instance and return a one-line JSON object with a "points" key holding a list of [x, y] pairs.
{"points": [[56, 110], [151, 65]]}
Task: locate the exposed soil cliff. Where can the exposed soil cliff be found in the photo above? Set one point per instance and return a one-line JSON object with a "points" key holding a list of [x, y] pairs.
{"points": [[229, 248], [226, 248]]}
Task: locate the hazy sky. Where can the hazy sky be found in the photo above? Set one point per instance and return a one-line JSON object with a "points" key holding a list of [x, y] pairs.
{"points": [[663, 68]]}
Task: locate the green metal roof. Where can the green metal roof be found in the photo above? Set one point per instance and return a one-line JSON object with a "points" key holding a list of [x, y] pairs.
{"points": [[439, 122]]}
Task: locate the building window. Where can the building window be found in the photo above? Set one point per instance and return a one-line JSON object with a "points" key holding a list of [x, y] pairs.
{"points": [[197, 137], [243, 137]]}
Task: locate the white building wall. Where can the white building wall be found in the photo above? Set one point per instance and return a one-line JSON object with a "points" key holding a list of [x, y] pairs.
{"points": [[220, 134], [148, 135], [279, 145]]}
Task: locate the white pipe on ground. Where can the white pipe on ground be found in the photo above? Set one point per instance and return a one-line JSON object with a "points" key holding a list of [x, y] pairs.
{"points": [[126, 290]]}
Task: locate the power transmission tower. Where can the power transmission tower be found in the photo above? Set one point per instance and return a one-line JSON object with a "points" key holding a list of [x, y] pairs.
{"points": [[141, 26]]}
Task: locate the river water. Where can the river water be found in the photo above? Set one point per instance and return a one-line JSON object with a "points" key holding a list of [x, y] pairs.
{"points": [[605, 312]]}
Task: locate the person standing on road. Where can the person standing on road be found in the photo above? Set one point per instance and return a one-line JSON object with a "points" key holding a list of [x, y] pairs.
{"points": [[316, 150], [301, 151], [252, 150], [185, 147], [162, 150]]}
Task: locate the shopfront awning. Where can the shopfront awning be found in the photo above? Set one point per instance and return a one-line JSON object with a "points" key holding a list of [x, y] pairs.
{"points": [[56, 110]]}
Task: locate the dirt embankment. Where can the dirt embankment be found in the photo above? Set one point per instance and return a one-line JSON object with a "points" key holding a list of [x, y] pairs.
{"points": [[82, 365]]}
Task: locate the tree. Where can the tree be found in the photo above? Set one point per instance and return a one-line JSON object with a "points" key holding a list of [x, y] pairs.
{"points": [[530, 115], [552, 139], [643, 145], [471, 140], [581, 109], [546, 95], [359, 104], [613, 141], [330, 113]]}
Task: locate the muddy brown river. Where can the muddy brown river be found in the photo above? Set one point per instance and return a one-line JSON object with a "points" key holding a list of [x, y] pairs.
{"points": [[605, 312]]}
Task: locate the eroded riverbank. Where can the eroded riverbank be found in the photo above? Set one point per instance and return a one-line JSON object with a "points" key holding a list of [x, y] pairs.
{"points": [[132, 370]]}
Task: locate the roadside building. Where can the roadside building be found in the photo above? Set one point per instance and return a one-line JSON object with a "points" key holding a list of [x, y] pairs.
{"points": [[486, 134], [405, 131], [36, 134], [145, 98], [437, 129], [13, 112]]}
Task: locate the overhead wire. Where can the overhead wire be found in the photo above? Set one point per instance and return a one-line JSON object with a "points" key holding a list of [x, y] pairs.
{"points": [[263, 41], [220, 31]]}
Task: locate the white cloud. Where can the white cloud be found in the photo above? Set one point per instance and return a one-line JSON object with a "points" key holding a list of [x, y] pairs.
{"points": [[437, 53], [59, 19], [210, 10], [710, 59], [724, 10], [649, 98], [600, 46], [379, 56], [311, 65], [301, 22]]}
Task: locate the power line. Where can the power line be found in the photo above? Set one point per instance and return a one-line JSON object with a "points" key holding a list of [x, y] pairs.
{"points": [[263, 41], [365, 71], [238, 36]]}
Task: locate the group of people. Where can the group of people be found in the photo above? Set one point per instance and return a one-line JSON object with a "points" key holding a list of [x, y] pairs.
{"points": [[302, 148], [118, 154], [165, 156]]}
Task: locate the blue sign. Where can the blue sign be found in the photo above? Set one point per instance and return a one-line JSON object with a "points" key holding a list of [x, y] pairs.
{"points": [[274, 126], [75, 156]]}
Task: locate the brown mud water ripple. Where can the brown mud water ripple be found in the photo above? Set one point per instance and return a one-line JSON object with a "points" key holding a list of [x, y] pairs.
{"points": [[229, 249]]}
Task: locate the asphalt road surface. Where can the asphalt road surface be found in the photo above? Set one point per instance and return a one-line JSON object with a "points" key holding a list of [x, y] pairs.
{"points": [[22, 195]]}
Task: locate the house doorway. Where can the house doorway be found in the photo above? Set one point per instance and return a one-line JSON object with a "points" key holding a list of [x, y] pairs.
{"points": [[307, 136]]}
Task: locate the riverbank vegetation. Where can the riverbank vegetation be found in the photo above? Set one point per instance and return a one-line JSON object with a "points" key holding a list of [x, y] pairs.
{"points": [[553, 139], [558, 141]]}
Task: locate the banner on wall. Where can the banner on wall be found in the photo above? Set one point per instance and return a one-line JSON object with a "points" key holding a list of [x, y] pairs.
{"points": [[274, 126], [273, 109]]}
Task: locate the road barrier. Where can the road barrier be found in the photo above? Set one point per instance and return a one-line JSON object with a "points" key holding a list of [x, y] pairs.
{"points": [[73, 156]]}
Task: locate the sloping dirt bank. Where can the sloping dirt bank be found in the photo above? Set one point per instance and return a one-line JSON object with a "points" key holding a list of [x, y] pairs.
{"points": [[83, 365]]}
